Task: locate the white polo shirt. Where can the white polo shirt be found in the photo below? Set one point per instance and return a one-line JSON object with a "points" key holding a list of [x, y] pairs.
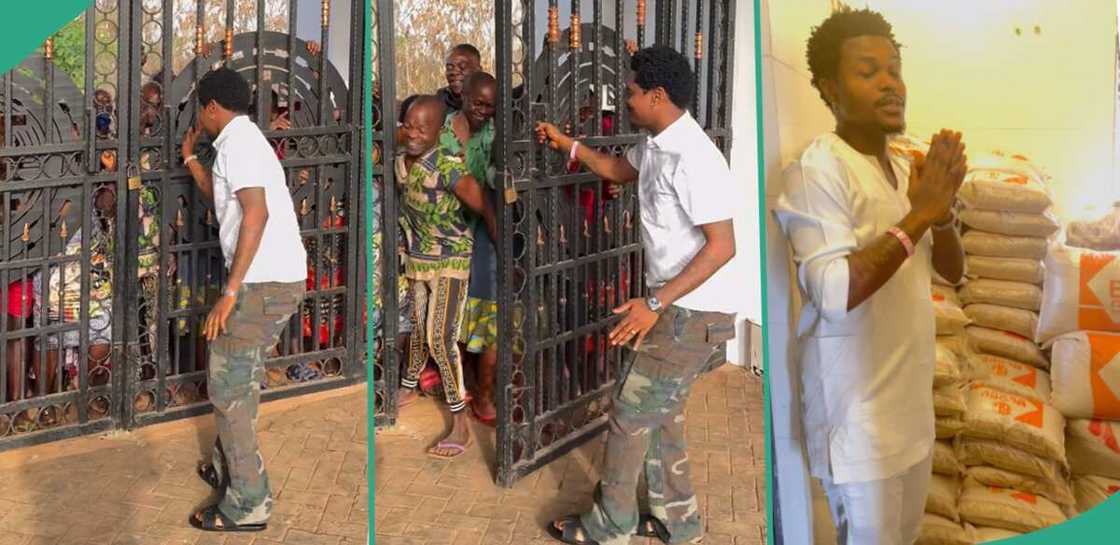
{"points": [[245, 159], [683, 183], [867, 374]]}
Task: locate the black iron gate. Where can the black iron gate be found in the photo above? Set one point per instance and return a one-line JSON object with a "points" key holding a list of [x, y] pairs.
{"points": [[110, 259], [380, 197], [569, 252]]}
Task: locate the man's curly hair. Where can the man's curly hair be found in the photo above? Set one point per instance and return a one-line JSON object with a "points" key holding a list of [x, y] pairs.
{"points": [[826, 40], [665, 67]]}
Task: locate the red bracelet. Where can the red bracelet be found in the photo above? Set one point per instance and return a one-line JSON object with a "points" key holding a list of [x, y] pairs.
{"points": [[904, 239], [573, 163]]}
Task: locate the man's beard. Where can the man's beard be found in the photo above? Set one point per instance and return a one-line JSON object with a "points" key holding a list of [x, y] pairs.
{"points": [[893, 130]]}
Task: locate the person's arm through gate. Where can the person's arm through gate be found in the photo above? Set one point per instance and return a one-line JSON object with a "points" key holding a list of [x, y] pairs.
{"points": [[608, 167], [201, 174]]}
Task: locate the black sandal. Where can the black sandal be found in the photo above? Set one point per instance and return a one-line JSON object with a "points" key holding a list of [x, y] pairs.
{"points": [[212, 519], [209, 475], [651, 526], [572, 531]]}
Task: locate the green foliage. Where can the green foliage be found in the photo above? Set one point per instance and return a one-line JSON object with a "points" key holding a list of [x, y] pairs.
{"points": [[70, 50]]}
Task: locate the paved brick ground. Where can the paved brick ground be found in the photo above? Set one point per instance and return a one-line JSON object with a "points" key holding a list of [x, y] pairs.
{"points": [[139, 488], [422, 501]]}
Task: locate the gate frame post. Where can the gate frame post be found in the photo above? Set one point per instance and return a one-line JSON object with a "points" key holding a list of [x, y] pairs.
{"points": [[383, 277]]}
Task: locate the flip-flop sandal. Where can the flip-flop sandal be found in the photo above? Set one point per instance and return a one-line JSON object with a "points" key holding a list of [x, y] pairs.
{"points": [[571, 531], [209, 475], [449, 445], [212, 520], [651, 526]]}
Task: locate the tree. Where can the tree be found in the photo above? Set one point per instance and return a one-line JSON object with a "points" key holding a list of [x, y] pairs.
{"points": [[427, 29], [70, 50]]}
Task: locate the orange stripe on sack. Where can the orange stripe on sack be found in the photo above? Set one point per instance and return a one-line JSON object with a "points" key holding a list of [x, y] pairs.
{"points": [[1030, 378], [1096, 319], [1103, 348], [1090, 264], [1017, 180], [1033, 418], [1025, 497]]}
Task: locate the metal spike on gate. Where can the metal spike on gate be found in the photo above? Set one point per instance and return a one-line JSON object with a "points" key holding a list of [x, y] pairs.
{"points": [[641, 22], [199, 39], [540, 236], [62, 233], [574, 32], [587, 228], [699, 45], [326, 13], [304, 207], [563, 237], [48, 49], [553, 25], [229, 44], [26, 232], [209, 218], [179, 221]]}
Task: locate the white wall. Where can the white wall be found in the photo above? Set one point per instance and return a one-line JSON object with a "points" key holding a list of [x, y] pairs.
{"points": [[1049, 95], [744, 168]]}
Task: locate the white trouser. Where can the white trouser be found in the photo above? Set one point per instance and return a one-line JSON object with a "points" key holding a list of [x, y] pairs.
{"points": [[883, 512]]}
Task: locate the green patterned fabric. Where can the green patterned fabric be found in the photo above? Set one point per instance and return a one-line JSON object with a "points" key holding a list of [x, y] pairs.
{"points": [[480, 325], [438, 236], [476, 153], [148, 258]]}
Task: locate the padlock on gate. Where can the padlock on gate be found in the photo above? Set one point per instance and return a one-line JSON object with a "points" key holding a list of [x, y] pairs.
{"points": [[134, 180]]}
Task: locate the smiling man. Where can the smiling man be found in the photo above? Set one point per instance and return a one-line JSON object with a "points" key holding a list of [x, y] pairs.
{"points": [[867, 227], [462, 61], [679, 329]]}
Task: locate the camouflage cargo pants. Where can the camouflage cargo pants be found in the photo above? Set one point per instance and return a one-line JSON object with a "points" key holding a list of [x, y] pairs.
{"points": [[235, 375], [646, 429]]}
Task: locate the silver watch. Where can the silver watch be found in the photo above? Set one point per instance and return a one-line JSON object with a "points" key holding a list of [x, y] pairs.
{"points": [[654, 304]]}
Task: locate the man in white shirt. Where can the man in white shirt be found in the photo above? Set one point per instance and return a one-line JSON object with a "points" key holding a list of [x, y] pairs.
{"points": [[865, 225], [267, 265], [679, 331]]}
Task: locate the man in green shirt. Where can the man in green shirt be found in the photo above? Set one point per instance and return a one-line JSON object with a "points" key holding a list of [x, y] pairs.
{"points": [[469, 133]]}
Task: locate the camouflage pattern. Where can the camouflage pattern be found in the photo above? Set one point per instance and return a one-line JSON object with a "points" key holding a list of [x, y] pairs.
{"points": [[438, 315], [236, 371], [646, 429]]}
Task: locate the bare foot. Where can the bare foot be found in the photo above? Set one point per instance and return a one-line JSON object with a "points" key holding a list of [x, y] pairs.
{"points": [[457, 440]]}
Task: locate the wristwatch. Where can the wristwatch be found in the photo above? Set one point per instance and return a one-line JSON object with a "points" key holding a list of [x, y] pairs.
{"points": [[654, 304]]}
